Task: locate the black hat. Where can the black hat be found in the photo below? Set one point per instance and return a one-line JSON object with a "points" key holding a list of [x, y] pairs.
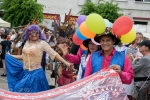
{"points": [[107, 33], [145, 43]]}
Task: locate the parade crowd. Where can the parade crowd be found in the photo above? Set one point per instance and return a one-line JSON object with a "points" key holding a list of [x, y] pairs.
{"points": [[40, 49]]}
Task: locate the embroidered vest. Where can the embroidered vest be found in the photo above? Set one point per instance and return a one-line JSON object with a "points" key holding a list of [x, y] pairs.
{"points": [[97, 60]]}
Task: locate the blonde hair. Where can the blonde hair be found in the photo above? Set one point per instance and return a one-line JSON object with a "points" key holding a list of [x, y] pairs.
{"points": [[13, 31]]}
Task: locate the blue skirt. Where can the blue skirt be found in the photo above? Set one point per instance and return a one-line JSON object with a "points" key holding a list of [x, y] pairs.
{"points": [[24, 81]]}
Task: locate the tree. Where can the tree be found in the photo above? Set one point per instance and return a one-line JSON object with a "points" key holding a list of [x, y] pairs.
{"points": [[21, 12], [106, 9]]}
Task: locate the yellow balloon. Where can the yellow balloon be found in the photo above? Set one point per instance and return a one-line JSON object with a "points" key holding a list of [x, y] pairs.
{"points": [[128, 37], [95, 23]]}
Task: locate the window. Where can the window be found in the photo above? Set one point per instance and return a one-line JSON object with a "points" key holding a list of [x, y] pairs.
{"points": [[143, 0], [141, 23]]}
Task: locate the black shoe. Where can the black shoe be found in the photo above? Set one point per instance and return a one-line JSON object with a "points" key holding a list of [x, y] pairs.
{"points": [[3, 75]]}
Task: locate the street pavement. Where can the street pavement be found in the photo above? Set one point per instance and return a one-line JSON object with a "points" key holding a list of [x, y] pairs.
{"points": [[3, 80]]}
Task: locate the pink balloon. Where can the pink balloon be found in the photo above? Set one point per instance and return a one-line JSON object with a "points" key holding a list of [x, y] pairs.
{"points": [[95, 42]]}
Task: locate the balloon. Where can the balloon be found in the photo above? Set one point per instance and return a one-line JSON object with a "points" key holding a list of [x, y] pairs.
{"points": [[85, 31], [80, 36], [129, 37], [95, 23], [81, 19], [107, 23], [111, 24], [83, 47], [95, 42], [122, 25], [76, 40]]}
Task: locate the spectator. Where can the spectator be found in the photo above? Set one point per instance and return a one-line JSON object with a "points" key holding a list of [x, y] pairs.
{"points": [[3, 46], [140, 36], [141, 69], [2, 32]]}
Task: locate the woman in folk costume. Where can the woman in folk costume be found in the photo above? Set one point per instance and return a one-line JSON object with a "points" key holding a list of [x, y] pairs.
{"points": [[81, 57], [29, 77], [108, 56]]}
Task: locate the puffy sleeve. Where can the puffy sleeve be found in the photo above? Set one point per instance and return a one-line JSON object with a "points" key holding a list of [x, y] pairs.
{"points": [[74, 58], [49, 50], [127, 72]]}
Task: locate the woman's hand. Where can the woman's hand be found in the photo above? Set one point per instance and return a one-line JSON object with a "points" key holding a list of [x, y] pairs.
{"points": [[63, 48], [69, 66], [116, 68]]}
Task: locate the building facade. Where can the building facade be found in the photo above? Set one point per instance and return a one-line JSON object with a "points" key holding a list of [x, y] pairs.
{"points": [[138, 10]]}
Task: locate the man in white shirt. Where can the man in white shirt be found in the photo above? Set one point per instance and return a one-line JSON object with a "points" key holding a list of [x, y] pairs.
{"points": [[2, 31]]}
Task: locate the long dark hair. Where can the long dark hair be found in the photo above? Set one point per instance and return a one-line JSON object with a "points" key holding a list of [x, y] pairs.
{"points": [[4, 36], [88, 50], [51, 39]]}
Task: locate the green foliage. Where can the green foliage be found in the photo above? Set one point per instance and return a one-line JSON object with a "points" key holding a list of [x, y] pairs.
{"points": [[21, 12], [106, 9], [87, 8]]}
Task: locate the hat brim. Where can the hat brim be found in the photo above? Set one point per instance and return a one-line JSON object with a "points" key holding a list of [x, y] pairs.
{"points": [[97, 38], [86, 42], [140, 44]]}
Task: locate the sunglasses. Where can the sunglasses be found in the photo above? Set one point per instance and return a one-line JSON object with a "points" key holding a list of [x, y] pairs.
{"points": [[34, 32]]}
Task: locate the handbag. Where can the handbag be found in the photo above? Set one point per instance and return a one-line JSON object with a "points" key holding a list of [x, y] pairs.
{"points": [[65, 78]]}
